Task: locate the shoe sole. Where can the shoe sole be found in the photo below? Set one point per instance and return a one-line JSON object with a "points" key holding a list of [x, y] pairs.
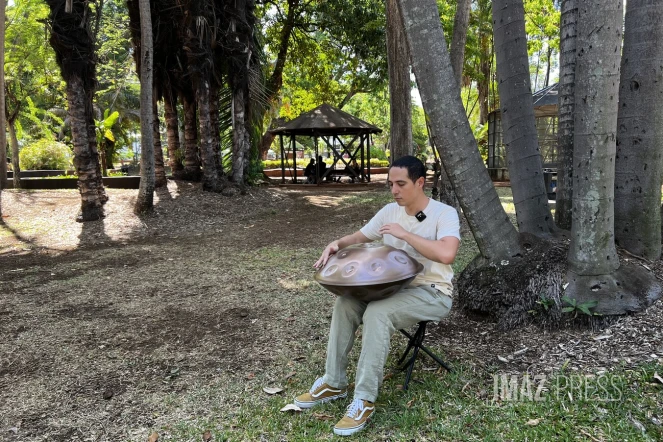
{"points": [[321, 401], [350, 431]]}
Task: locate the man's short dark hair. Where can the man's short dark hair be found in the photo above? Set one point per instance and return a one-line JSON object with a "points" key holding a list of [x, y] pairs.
{"points": [[415, 168]]}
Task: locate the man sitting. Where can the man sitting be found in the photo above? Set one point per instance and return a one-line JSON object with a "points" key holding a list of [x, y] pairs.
{"points": [[309, 172], [428, 231]]}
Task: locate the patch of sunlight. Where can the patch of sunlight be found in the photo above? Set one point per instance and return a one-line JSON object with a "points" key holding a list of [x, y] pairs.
{"points": [[325, 200], [294, 285]]}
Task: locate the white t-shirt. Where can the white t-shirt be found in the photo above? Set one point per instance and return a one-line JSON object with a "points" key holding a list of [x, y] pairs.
{"points": [[441, 220]]}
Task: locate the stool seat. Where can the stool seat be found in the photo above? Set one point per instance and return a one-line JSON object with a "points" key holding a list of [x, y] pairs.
{"points": [[415, 344]]}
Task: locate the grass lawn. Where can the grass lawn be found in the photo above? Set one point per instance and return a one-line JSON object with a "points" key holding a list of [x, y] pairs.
{"points": [[175, 323]]}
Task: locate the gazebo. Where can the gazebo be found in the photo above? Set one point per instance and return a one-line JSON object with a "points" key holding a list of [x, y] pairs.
{"points": [[545, 113], [329, 124]]}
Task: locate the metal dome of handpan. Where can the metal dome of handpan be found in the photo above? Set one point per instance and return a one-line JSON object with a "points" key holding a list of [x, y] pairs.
{"points": [[368, 272]]}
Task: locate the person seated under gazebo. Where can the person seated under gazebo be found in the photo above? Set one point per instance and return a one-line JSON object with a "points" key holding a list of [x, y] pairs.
{"points": [[309, 172]]}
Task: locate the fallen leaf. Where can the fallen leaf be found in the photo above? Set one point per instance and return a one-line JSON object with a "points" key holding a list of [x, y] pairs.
{"points": [[207, 436], [154, 437], [290, 319], [410, 402], [250, 376], [322, 417], [272, 390], [387, 376], [598, 338], [503, 359], [289, 375], [291, 407], [533, 422], [658, 378]]}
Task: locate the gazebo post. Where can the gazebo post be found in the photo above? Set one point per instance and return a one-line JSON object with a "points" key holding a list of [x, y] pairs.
{"points": [[317, 168], [368, 151], [361, 149], [282, 161], [294, 158]]}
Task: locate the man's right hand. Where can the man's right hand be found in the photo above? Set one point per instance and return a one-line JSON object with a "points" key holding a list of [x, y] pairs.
{"points": [[329, 251]]}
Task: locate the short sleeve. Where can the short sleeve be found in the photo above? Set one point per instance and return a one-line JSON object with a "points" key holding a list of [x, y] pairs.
{"points": [[372, 229], [448, 224]]}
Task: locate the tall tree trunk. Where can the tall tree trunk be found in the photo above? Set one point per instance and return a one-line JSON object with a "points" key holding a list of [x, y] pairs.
{"points": [[159, 167], [461, 23], [639, 162], [566, 91], [191, 156], [550, 50], [599, 39], [275, 81], [240, 88], [241, 141], [483, 84], [145, 200], [440, 94], [518, 124], [172, 131], [215, 125], [74, 50], [11, 124], [400, 100], [3, 121], [207, 148]]}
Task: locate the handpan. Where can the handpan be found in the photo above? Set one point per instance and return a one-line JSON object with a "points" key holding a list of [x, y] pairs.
{"points": [[368, 272]]}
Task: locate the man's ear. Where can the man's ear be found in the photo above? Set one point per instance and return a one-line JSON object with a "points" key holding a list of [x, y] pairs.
{"points": [[421, 181]]}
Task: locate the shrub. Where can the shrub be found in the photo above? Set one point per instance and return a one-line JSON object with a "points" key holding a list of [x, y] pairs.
{"points": [[377, 153], [45, 155]]}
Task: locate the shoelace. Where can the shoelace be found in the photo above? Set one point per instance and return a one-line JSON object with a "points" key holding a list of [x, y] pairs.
{"points": [[355, 407], [318, 382]]}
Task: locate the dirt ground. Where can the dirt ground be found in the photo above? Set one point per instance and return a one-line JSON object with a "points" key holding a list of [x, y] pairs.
{"points": [[102, 323]]}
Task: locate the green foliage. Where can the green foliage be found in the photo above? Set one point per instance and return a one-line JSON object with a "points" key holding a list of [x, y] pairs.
{"points": [[45, 154], [575, 307], [378, 154], [103, 128]]}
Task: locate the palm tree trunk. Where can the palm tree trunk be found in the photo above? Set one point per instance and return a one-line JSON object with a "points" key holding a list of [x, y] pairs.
{"points": [[592, 250], [639, 162], [457, 50], [567, 75], [400, 100], [72, 42], [11, 124], [145, 199], [191, 156], [207, 151], [173, 133], [440, 94], [215, 125], [241, 141], [518, 124], [159, 167], [3, 121]]}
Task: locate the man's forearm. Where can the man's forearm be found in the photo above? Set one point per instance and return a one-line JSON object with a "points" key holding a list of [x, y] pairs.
{"points": [[355, 238], [443, 250]]}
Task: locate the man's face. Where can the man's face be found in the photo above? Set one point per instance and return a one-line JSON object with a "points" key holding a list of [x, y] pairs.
{"points": [[402, 188]]}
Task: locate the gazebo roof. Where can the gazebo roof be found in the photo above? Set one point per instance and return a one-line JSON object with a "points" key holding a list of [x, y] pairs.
{"points": [[544, 100], [326, 120]]}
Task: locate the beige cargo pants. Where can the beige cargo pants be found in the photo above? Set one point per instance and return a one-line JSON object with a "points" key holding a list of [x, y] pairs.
{"points": [[381, 319]]}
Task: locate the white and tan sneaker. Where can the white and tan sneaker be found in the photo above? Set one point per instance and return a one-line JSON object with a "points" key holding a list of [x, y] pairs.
{"points": [[356, 417], [319, 394]]}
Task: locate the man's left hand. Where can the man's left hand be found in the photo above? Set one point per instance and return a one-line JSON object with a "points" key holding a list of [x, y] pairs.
{"points": [[393, 229]]}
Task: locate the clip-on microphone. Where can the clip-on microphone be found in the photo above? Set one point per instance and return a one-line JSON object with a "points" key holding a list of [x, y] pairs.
{"points": [[421, 216]]}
